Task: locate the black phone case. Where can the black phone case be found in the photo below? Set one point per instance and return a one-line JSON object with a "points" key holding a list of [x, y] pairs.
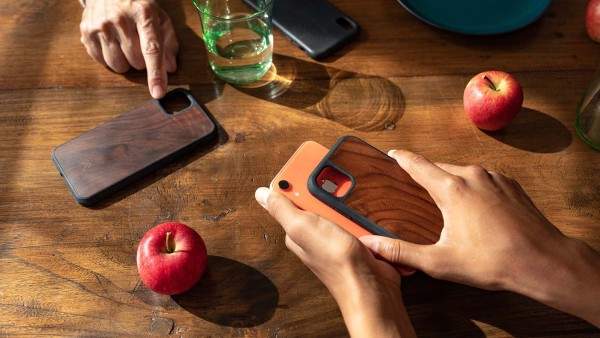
{"points": [[382, 197], [315, 26], [122, 150]]}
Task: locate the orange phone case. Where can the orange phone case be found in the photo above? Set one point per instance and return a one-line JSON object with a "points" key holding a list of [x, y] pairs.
{"points": [[296, 172]]}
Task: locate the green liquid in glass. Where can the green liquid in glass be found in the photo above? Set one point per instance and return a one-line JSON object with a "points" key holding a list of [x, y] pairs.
{"points": [[239, 53]]}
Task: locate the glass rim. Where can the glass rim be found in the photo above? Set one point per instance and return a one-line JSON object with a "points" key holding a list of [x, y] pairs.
{"points": [[244, 18]]}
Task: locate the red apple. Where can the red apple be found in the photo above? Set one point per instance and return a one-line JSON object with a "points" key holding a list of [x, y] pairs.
{"points": [[171, 258], [592, 20], [492, 99]]}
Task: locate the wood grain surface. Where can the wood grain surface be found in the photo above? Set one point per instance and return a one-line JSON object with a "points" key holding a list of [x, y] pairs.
{"points": [[377, 194], [68, 270]]}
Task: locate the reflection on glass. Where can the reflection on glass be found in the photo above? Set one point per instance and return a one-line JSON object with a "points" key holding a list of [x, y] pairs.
{"points": [[588, 114]]}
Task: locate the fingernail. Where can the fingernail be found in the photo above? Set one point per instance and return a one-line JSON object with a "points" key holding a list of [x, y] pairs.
{"points": [[262, 195], [370, 242], [158, 92], [391, 152]]}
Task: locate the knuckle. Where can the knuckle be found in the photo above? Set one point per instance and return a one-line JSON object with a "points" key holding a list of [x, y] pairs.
{"points": [[89, 30], [152, 47], [477, 170], [392, 251], [155, 75], [84, 28], [104, 28], [454, 183], [296, 223], [417, 159], [154, 79], [143, 11], [113, 16], [119, 21]]}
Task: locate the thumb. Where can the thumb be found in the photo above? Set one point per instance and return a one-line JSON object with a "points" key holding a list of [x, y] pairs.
{"points": [[397, 251]]}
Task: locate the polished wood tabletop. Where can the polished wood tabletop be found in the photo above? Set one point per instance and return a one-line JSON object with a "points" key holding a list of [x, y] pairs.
{"points": [[70, 270]]}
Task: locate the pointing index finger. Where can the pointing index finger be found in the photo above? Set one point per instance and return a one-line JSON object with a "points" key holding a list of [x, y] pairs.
{"points": [[153, 52]]}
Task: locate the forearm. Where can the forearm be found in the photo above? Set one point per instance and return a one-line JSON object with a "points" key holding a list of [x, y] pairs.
{"points": [[569, 280], [374, 313]]}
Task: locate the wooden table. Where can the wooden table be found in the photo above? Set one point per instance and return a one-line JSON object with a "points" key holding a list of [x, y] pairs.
{"points": [[68, 270]]}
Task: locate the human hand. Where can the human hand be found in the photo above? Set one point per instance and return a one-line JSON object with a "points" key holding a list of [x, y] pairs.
{"points": [[495, 238], [138, 33], [488, 222], [366, 289]]}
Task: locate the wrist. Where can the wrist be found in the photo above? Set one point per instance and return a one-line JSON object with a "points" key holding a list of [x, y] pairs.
{"points": [[567, 279], [372, 309]]}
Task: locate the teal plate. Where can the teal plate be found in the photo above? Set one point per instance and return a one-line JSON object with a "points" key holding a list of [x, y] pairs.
{"points": [[477, 17]]}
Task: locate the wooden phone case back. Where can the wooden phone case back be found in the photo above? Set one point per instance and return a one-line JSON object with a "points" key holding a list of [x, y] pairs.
{"points": [[383, 193], [128, 146]]}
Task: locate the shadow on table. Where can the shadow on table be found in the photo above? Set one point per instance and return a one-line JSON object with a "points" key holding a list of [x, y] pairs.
{"points": [[535, 132], [231, 294], [444, 309], [357, 101]]}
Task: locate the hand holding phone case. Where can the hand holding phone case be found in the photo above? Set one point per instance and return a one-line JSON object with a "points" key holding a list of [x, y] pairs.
{"points": [[129, 146], [370, 188]]}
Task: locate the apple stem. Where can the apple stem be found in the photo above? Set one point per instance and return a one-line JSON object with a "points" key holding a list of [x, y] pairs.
{"points": [[490, 81], [169, 250]]}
